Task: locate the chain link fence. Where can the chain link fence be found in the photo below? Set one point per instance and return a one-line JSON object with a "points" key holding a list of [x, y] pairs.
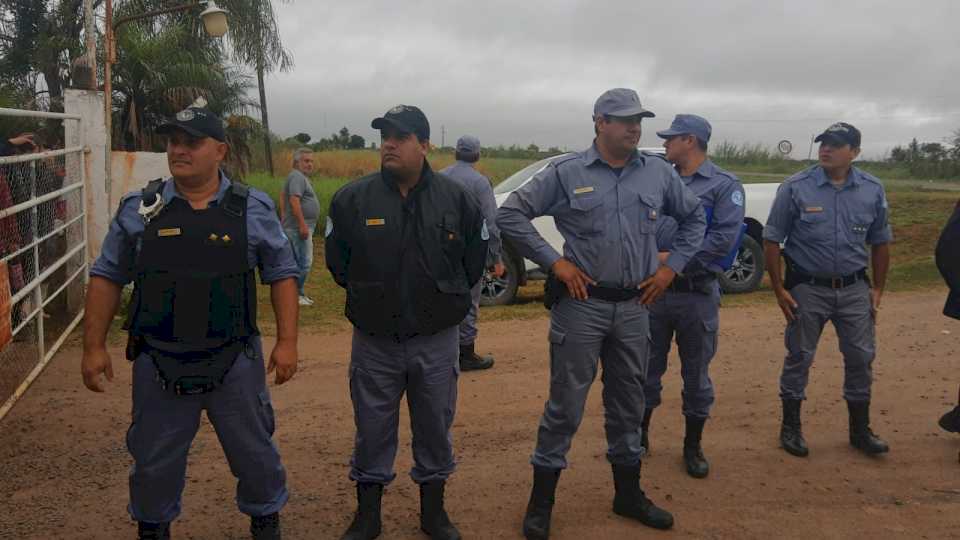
{"points": [[43, 259]]}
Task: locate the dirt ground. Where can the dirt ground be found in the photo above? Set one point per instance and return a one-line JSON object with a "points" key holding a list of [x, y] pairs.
{"points": [[63, 463]]}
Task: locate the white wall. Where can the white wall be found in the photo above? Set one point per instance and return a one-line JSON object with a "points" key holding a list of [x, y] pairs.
{"points": [[92, 132], [132, 171]]}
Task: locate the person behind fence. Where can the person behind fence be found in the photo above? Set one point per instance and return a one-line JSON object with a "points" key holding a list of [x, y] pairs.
{"points": [[463, 171], [690, 309], [191, 245], [606, 202], [825, 217], [300, 211], [948, 262], [407, 244]]}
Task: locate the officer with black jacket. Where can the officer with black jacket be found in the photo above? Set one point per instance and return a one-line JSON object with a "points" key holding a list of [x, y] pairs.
{"points": [[407, 244], [190, 245], [948, 262]]}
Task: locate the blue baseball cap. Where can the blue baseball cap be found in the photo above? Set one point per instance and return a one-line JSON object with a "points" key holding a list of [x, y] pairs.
{"points": [[619, 102], [468, 144], [688, 124], [840, 133]]}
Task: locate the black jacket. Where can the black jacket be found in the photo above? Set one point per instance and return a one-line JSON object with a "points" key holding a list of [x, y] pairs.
{"points": [[948, 262], [408, 264]]}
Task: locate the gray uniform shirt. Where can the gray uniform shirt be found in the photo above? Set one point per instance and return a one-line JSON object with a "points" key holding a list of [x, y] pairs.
{"points": [[608, 221], [298, 185], [826, 229], [478, 184]]}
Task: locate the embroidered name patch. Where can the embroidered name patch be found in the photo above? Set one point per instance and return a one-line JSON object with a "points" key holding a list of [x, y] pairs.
{"points": [[582, 190], [169, 232], [376, 222], [811, 209]]}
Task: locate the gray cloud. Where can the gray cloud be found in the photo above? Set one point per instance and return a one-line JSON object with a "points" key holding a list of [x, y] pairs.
{"points": [[522, 72]]}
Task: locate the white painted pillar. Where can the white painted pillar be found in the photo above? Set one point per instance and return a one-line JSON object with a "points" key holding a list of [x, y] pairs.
{"points": [[89, 105]]}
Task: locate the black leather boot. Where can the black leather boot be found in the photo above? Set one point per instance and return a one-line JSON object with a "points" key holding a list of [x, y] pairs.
{"points": [[433, 518], [265, 527], [366, 523], [697, 465], [951, 421], [630, 501], [471, 361], [536, 522], [861, 437], [645, 431], [153, 531], [791, 436]]}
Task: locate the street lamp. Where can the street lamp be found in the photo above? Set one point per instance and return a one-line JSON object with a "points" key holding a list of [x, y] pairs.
{"points": [[214, 23]]}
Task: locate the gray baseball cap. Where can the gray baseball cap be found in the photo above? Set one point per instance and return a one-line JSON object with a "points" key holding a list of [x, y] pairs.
{"points": [[468, 144], [619, 102], [688, 124]]}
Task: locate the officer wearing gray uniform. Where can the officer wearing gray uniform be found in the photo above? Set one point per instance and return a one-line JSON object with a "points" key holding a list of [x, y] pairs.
{"points": [[408, 245], [825, 217], [191, 245], [606, 201], [690, 309], [467, 153]]}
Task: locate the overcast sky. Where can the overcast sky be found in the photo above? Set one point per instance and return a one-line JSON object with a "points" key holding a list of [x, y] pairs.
{"points": [[524, 72]]}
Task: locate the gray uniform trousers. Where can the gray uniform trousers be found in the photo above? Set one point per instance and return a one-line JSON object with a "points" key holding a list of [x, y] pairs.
{"points": [[381, 370], [468, 328], [849, 310], [165, 424], [694, 317], [581, 332]]}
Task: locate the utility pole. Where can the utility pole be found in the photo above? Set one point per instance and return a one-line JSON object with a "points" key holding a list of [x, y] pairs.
{"points": [[443, 136]]}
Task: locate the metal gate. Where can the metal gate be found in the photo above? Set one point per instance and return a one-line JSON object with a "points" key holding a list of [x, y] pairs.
{"points": [[43, 249]]}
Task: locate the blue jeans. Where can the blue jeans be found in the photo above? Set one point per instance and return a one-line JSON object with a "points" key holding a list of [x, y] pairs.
{"points": [[302, 253]]}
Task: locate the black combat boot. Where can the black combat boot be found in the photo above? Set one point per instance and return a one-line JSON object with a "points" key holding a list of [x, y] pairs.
{"points": [[471, 361], [265, 527], [536, 522], [153, 531], [366, 522], [433, 518], [697, 465], [951, 421], [861, 437], [790, 435], [645, 431], [630, 501]]}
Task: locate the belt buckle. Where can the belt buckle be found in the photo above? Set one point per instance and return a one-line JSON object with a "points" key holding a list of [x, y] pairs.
{"points": [[837, 282]]}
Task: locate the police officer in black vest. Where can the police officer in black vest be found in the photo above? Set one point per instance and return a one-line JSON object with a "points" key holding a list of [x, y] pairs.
{"points": [[191, 245], [407, 244]]}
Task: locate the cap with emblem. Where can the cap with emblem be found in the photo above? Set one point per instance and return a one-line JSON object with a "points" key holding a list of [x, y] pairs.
{"points": [[688, 124], [619, 102], [468, 144], [840, 133], [196, 121], [406, 118]]}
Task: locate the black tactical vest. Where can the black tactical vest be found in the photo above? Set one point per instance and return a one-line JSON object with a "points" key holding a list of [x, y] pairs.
{"points": [[194, 288]]}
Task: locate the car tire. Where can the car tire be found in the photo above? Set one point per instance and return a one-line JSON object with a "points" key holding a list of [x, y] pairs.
{"points": [[747, 271], [503, 290]]}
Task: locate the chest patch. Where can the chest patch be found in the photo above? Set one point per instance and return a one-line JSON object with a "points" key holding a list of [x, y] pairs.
{"points": [[813, 209], [170, 232], [376, 222], [582, 190]]}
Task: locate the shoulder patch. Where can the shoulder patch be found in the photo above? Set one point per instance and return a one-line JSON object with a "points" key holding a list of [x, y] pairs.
{"points": [[737, 197]]}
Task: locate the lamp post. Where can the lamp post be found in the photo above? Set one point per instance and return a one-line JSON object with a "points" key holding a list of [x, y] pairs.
{"points": [[214, 23]]}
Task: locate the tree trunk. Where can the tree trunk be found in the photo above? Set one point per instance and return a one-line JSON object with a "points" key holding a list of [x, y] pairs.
{"points": [[264, 119]]}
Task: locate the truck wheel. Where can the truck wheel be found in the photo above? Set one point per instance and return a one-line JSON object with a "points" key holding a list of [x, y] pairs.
{"points": [[747, 271]]}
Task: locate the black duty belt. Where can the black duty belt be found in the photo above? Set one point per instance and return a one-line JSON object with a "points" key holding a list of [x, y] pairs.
{"points": [[612, 294], [691, 283], [838, 282]]}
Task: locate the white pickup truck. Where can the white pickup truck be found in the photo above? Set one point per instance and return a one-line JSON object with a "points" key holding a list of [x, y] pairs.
{"points": [[744, 275]]}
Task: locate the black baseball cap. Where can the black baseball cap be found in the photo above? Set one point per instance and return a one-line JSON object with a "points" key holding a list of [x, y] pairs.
{"points": [[196, 121], [406, 118], [840, 133]]}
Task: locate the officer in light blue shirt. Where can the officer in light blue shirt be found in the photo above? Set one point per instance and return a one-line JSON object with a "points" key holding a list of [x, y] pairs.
{"points": [[606, 202], [464, 173], [825, 217], [690, 309]]}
